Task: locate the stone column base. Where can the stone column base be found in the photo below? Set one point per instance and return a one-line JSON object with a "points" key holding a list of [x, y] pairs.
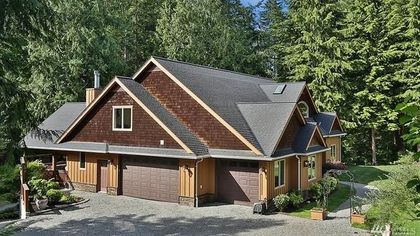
{"points": [[186, 201], [112, 191], [85, 187]]}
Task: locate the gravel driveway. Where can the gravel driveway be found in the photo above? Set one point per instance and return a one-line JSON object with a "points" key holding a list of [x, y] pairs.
{"points": [[116, 215]]}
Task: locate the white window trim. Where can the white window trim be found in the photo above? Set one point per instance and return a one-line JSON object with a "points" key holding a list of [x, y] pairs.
{"points": [[307, 109], [80, 161], [122, 117], [314, 178], [284, 175], [335, 152]]}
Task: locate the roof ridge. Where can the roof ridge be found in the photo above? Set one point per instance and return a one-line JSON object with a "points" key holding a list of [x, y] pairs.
{"points": [[214, 68]]}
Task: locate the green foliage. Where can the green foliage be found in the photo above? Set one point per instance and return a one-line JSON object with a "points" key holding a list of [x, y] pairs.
{"points": [[53, 185], [68, 198], [296, 199], [397, 201], [332, 183], [281, 201], [54, 195], [39, 187], [9, 182], [35, 169], [315, 191]]}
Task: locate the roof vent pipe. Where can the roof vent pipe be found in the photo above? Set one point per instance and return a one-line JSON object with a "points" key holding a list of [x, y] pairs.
{"points": [[97, 77]]}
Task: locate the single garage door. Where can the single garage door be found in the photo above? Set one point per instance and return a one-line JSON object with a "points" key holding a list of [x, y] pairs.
{"points": [[237, 181], [150, 178]]}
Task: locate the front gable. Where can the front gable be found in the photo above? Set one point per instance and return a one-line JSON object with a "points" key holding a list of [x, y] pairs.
{"points": [[288, 137], [188, 110], [317, 139], [306, 97], [97, 125]]}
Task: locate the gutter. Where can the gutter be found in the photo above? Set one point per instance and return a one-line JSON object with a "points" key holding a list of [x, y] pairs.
{"points": [[334, 135], [196, 181], [299, 171]]}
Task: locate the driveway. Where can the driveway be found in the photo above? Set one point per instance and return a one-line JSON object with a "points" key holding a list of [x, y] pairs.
{"points": [[115, 215]]}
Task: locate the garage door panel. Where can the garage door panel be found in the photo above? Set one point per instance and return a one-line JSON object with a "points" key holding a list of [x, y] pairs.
{"points": [[151, 178], [237, 181]]}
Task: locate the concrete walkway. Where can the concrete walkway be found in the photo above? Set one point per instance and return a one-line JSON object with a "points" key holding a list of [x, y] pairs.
{"points": [[120, 215], [343, 211]]}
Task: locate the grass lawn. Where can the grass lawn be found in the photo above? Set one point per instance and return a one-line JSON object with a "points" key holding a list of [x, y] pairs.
{"points": [[371, 175], [340, 195]]}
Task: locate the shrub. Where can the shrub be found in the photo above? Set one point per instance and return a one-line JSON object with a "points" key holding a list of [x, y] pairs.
{"points": [[9, 179], [53, 184], [315, 191], [39, 187], [54, 195], [35, 169], [329, 166], [332, 183], [8, 197], [296, 199], [281, 201], [68, 198]]}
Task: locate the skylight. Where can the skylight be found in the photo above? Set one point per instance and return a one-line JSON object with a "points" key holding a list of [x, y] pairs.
{"points": [[280, 89]]}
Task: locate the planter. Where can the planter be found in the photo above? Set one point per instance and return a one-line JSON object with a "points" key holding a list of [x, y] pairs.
{"points": [[318, 214], [41, 204], [357, 218]]}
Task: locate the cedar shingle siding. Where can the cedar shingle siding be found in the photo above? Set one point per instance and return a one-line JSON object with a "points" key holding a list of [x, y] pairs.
{"points": [[290, 133], [97, 127], [192, 114]]}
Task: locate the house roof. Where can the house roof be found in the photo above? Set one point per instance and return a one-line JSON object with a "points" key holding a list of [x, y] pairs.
{"points": [[325, 121], [245, 102]]}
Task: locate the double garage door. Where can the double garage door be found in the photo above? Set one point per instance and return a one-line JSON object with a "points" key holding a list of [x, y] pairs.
{"points": [[150, 178]]}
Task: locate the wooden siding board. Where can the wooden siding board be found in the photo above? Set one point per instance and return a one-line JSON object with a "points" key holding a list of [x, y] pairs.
{"points": [[290, 133], [331, 141], [207, 177], [186, 177], [97, 125]]}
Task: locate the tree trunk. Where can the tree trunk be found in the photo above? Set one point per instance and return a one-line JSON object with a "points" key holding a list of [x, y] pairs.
{"points": [[373, 136]]}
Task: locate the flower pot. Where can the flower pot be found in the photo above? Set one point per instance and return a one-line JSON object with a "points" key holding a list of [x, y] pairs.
{"points": [[357, 218], [318, 214], [41, 204]]}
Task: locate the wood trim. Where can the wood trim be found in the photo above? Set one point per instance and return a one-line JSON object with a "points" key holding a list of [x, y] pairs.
{"points": [[204, 105], [320, 135], [86, 110], [182, 144], [114, 81], [339, 123], [312, 136], [287, 124], [310, 96]]}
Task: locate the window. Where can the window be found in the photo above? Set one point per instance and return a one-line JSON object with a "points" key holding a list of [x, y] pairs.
{"points": [[280, 89], [333, 152], [122, 118], [303, 107], [279, 173], [311, 167], [82, 160]]}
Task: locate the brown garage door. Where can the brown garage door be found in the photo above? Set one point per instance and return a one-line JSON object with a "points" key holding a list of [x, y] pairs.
{"points": [[237, 181], [150, 178]]}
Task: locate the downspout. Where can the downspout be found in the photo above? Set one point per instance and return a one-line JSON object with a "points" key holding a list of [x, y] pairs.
{"points": [[196, 180], [299, 170]]}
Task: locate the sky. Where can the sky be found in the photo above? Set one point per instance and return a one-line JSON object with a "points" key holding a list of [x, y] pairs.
{"points": [[250, 2]]}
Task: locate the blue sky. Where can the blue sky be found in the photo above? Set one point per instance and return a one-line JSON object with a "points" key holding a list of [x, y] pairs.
{"points": [[250, 2]]}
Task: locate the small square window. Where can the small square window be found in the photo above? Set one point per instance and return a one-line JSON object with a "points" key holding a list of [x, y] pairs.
{"points": [[122, 118]]}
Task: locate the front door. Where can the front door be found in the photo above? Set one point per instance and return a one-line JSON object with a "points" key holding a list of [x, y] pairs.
{"points": [[103, 175]]}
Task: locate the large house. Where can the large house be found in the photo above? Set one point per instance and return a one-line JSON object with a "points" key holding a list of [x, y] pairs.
{"points": [[185, 133]]}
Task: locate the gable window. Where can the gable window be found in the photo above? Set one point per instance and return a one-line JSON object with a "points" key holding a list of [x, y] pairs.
{"points": [[333, 152], [82, 161], [122, 118], [304, 109], [311, 167], [279, 173]]}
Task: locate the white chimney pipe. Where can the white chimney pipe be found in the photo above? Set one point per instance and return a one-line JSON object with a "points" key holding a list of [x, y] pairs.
{"points": [[97, 77]]}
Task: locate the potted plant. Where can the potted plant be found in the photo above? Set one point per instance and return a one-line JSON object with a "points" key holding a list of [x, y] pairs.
{"points": [[320, 193], [357, 216], [40, 188]]}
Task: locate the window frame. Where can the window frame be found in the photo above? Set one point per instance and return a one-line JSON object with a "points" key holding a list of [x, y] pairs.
{"points": [[335, 152], [307, 109], [80, 161], [311, 167], [122, 118], [282, 174]]}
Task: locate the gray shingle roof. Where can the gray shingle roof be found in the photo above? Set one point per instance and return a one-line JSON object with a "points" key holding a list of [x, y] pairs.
{"points": [[291, 91], [165, 116], [326, 120], [267, 121]]}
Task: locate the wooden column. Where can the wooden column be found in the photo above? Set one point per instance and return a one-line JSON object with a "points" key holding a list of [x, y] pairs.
{"points": [[53, 162]]}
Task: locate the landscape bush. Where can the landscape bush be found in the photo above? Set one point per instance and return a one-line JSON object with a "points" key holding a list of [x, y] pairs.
{"points": [[315, 191], [332, 183], [35, 169], [281, 201], [296, 199], [66, 198], [9, 183], [54, 195], [330, 166]]}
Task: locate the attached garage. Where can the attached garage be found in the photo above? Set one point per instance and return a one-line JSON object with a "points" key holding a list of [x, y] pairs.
{"points": [[237, 181], [150, 178]]}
